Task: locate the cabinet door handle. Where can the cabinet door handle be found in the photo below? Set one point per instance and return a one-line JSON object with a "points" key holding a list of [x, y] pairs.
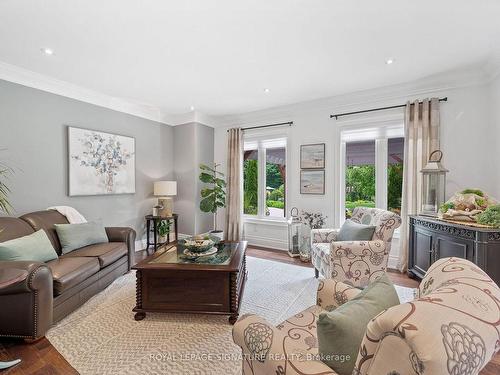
{"points": [[433, 253]]}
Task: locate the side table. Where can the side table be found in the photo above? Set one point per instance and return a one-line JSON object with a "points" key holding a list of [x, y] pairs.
{"points": [[8, 277], [152, 226]]}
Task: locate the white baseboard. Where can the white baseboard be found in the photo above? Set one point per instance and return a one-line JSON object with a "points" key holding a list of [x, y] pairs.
{"points": [[392, 263], [272, 243], [140, 244]]}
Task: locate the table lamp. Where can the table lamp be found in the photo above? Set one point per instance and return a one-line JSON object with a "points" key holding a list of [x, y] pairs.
{"points": [[165, 190]]}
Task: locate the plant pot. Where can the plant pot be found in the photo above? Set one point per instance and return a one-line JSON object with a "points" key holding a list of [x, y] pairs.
{"points": [[218, 233]]}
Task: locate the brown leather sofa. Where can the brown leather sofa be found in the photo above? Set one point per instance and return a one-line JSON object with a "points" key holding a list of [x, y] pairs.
{"points": [[54, 289]]}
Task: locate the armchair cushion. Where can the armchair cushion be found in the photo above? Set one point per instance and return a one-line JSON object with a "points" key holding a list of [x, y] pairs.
{"points": [[352, 231], [68, 272], [341, 331], [35, 247]]}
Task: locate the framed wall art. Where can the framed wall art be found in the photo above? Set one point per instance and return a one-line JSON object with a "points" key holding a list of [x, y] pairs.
{"points": [[312, 181], [312, 156], [100, 163]]}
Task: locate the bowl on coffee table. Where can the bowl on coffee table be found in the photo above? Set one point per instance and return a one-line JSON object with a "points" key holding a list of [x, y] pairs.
{"points": [[197, 245]]}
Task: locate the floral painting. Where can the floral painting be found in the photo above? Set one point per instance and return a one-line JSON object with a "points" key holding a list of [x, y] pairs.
{"points": [[100, 163]]}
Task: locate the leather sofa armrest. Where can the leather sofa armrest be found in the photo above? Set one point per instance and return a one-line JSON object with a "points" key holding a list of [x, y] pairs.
{"points": [[27, 306], [123, 234], [39, 276]]}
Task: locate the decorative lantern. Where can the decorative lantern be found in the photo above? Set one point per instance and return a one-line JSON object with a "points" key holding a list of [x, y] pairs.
{"points": [[434, 184], [294, 225]]}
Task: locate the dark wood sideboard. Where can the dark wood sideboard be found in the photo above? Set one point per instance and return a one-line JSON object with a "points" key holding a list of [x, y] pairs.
{"points": [[432, 239]]}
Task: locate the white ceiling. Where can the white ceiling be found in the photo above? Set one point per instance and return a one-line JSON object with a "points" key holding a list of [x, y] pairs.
{"points": [[219, 55]]}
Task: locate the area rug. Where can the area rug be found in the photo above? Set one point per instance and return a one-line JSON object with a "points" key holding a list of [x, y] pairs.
{"points": [[102, 336]]}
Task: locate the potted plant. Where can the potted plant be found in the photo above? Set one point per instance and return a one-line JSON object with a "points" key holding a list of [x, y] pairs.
{"points": [[213, 196], [163, 229], [5, 206]]}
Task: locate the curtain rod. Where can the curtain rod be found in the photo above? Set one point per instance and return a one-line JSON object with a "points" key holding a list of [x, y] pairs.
{"points": [[289, 123], [377, 109]]}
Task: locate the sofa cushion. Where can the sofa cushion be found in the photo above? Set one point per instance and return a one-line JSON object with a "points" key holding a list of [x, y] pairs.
{"points": [[341, 331], [76, 236], [35, 246], [46, 220], [352, 231], [107, 253], [68, 272]]}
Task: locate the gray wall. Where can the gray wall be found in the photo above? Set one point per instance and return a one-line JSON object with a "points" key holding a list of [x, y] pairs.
{"points": [[194, 144], [33, 134]]}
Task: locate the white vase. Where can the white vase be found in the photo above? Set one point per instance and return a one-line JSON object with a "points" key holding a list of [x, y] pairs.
{"points": [[217, 233]]}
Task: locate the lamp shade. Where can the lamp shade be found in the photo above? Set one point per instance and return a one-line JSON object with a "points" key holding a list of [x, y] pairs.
{"points": [[165, 188]]}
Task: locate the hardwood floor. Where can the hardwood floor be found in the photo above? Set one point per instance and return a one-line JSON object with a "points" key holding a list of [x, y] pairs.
{"points": [[41, 358]]}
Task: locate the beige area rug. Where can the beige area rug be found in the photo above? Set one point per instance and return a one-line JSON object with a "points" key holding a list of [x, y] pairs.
{"points": [[102, 336]]}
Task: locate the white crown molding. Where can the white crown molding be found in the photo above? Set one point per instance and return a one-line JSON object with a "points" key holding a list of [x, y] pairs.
{"points": [[42, 82], [388, 95], [382, 96]]}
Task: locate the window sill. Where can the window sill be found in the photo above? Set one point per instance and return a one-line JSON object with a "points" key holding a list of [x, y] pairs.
{"points": [[263, 221]]}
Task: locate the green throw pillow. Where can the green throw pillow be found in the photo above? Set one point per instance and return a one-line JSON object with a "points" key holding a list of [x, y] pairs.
{"points": [[75, 236], [341, 331], [35, 246], [352, 231]]}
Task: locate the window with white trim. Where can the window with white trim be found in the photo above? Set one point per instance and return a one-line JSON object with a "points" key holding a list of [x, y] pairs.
{"points": [[264, 177], [372, 168]]}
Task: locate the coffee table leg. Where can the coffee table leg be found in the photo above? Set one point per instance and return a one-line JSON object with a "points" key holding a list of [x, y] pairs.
{"points": [[233, 318], [139, 315]]}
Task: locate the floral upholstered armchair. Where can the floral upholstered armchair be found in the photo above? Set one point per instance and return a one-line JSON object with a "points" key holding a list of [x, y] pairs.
{"points": [[451, 329], [356, 263]]}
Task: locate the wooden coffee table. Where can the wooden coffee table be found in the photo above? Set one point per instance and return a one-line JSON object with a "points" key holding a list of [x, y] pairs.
{"points": [[169, 282]]}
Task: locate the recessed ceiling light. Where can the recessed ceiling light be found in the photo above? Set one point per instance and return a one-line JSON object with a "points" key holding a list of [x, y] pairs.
{"points": [[389, 61], [191, 108], [47, 51], [266, 90]]}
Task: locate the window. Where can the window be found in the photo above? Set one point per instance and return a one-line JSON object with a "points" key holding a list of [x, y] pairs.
{"points": [[264, 178], [250, 182], [395, 158], [372, 168], [359, 176]]}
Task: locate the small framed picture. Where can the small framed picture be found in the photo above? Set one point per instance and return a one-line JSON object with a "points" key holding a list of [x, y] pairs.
{"points": [[312, 181], [312, 156]]}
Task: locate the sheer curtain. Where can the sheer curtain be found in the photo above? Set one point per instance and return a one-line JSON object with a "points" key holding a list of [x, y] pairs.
{"points": [[421, 138], [233, 200]]}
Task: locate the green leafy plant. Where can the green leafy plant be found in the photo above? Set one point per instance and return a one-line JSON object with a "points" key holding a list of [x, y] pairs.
{"points": [[490, 216], [275, 204], [250, 187], [5, 205], [446, 206], [473, 191], [163, 228], [214, 196]]}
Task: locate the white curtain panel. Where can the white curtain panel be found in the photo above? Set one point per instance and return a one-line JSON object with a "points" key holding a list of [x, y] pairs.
{"points": [[234, 180], [421, 138]]}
